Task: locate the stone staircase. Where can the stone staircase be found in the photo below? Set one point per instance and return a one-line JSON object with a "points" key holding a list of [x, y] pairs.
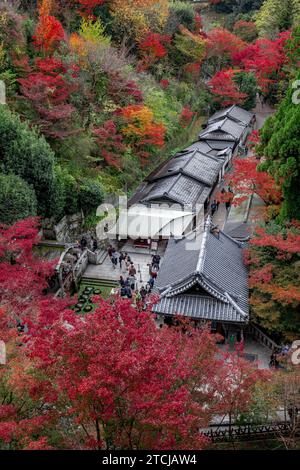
{"points": [[92, 282]]}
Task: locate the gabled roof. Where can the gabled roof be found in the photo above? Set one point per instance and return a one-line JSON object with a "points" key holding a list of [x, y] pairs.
{"points": [[224, 129], [235, 113], [177, 188], [215, 148], [210, 263], [220, 144], [200, 166]]}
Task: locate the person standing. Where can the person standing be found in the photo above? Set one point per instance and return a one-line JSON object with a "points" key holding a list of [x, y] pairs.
{"points": [[114, 258], [110, 251], [143, 293], [132, 270], [121, 260], [83, 243], [94, 244], [213, 207]]}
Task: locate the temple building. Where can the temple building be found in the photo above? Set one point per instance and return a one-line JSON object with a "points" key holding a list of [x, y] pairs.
{"points": [[203, 278]]}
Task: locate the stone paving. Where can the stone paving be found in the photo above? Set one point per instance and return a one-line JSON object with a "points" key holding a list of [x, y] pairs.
{"points": [[106, 271]]}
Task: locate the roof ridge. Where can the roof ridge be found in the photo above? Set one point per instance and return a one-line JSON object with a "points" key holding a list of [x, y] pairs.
{"points": [[201, 259], [236, 306], [167, 193]]}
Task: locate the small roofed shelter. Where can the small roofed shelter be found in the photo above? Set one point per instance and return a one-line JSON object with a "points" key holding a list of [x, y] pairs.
{"points": [[203, 278], [243, 217]]}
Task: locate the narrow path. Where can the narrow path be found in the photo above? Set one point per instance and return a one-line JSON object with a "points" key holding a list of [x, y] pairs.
{"points": [[262, 111]]}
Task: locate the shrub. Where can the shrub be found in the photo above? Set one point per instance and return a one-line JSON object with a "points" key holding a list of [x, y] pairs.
{"points": [[70, 190], [27, 154], [90, 195], [17, 199], [180, 13]]}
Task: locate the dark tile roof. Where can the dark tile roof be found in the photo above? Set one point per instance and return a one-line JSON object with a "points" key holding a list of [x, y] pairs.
{"points": [[200, 166], [177, 188], [224, 129], [198, 307], [212, 262], [215, 148], [220, 144], [238, 230], [235, 113]]}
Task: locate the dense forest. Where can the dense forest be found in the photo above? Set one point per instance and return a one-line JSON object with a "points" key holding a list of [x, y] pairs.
{"points": [[97, 94]]}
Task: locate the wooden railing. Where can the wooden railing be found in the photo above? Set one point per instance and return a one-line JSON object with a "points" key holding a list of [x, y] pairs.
{"points": [[249, 431], [262, 338]]}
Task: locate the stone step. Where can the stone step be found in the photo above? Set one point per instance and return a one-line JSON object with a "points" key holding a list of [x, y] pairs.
{"points": [[89, 281]]}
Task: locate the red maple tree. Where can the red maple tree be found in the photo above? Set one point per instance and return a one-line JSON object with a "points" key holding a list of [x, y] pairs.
{"points": [[86, 7], [110, 143], [48, 34], [48, 89], [186, 116], [223, 44], [246, 179], [153, 48], [23, 280], [265, 58], [223, 86]]}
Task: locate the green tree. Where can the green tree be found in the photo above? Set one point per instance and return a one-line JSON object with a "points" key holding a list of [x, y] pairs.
{"points": [[27, 154], [90, 195], [247, 84], [17, 199], [280, 145], [180, 13], [276, 16]]}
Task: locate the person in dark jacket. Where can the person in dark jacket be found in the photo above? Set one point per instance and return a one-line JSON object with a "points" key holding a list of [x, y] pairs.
{"points": [[83, 243], [213, 207], [94, 244]]}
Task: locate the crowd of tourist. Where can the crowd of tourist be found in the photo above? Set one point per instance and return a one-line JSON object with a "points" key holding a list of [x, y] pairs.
{"points": [[128, 281]]}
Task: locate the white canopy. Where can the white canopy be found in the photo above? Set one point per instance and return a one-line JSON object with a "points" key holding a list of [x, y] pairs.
{"points": [[144, 222]]}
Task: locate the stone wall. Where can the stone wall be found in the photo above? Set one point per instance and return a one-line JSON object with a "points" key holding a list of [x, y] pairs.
{"points": [[66, 230]]}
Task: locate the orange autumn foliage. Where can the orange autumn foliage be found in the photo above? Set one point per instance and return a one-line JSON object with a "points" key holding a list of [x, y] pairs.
{"points": [[141, 125]]}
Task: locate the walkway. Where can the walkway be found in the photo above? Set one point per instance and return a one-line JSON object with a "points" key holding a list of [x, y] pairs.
{"points": [[262, 113], [105, 271]]}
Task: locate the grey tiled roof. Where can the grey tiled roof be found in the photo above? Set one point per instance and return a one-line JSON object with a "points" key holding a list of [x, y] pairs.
{"points": [[200, 166], [220, 144], [235, 113], [225, 129], [197, 307], [238, 230], [213, 264], [215, 148], [178, 188]]}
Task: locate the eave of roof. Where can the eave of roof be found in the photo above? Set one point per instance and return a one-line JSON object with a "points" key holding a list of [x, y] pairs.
{"points": [[199, 275]]}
